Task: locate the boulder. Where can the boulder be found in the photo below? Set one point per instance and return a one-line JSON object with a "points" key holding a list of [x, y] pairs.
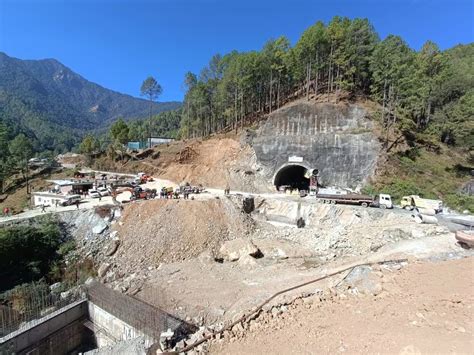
{"points": [[282, 249], [232, 250], [206, 257], [99, 227], [247, 260]]}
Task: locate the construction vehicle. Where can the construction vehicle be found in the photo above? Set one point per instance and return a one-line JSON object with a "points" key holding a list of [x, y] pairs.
{"points": [[191, 189], [380, 201], [142, 194], [414, 201], [143, 178]]}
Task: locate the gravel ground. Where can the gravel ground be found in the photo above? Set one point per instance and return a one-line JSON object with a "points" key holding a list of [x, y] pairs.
{"points": [[424, 308]]}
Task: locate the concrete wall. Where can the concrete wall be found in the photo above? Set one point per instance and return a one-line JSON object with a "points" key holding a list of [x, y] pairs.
{"points": [[64, 331], [58, 333], [85, 323], [335, 139], [108, 329]]}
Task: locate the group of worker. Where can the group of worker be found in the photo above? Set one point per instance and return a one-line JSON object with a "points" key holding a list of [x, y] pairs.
{"points": [[56, 204], [170, 193]]}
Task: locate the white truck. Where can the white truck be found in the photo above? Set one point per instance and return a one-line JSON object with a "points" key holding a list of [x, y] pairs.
{"points": [[381, 200]]}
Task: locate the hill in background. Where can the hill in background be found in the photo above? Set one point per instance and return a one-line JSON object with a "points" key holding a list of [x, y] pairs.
{"points": [[55, 106]]}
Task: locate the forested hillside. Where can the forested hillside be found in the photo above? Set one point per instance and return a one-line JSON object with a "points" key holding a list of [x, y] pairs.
{"points": [[54, 106], [425, 96], [424, 100]]}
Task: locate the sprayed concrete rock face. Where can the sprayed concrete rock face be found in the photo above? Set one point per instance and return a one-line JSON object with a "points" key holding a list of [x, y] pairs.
{"points": [[335, 139]]}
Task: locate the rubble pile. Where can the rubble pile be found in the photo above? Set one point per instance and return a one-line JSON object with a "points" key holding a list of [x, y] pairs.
{"points": [[166, 231], [91, 230], [334, 230]]}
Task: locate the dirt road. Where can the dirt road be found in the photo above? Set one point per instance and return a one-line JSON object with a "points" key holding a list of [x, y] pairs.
{"points": [[426, 308], [86, 203]]}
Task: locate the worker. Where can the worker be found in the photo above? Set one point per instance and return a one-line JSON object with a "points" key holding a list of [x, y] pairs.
{"points": [[6, 211], [227, 189], [77, 204], [43, 208]]}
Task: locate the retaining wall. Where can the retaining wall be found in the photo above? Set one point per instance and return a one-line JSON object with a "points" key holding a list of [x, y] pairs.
{"points": [[58, 333]]}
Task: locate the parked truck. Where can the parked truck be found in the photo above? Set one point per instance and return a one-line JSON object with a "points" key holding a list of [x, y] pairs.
{"points": [[380, 201], [142, 194], [414, 201]]}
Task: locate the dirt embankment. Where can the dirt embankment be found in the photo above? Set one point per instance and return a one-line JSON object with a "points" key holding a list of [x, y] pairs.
{"points": [[164, 231], [426, 308], [215, 162]]}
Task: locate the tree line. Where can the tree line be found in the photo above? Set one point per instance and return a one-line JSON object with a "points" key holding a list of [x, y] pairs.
{"points": [[425, 94], [165, 124], [14, 155]]}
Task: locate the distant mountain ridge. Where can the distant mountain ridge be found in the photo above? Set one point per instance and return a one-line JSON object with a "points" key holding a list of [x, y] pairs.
{"points": [[48, 101]]}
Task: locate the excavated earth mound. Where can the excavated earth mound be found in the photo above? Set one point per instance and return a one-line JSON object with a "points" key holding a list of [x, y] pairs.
{"points": [[215, 162], [164, 231]]}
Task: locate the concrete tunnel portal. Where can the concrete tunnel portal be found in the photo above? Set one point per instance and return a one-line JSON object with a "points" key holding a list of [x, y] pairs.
{"points": [[292, 176]]}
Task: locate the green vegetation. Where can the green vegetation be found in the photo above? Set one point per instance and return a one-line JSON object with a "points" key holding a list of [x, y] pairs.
{"points": [[151, 89], [437, 175], [30, 254], [425, 97], [164, 124], [27, 253], [15, 155], [55, 107]]}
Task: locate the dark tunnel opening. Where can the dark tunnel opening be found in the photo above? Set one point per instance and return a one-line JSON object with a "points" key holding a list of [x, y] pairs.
{"points": [[292, 176]]}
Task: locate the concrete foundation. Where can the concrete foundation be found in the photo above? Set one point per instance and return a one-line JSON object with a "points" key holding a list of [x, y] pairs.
{"points": [[107, 317]]}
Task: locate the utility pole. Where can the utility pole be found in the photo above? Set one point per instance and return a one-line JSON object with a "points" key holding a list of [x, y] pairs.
{"points": [[26, 177]]}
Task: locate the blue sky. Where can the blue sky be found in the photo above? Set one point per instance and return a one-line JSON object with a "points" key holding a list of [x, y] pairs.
{"points": [[117, 43]]}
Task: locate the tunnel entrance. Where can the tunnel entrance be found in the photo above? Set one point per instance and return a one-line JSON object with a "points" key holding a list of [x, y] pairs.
{"points": [[291, 177]]}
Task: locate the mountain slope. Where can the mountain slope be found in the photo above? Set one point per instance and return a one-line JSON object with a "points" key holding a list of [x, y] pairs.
{"points": [[51, 103]]}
